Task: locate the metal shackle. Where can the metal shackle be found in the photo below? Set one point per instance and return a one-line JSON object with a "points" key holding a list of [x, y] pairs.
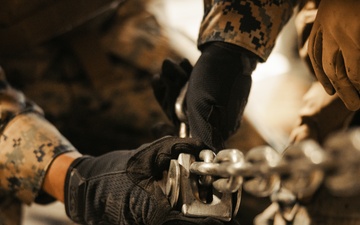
{"points": [[263, 182], [233, 183], [302, 168]]}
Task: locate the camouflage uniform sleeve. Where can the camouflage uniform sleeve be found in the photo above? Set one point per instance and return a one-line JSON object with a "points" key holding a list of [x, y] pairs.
{"points": [[28, 144], [253, 25]]}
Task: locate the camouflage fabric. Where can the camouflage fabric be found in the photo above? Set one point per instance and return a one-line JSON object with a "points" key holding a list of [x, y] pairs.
{"points": [[24, 25], [94, 84], [137, 36], [91, 91], [28, 144], [253, 25]]}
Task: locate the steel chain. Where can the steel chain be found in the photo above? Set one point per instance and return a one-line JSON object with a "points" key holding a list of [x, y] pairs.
{"points": [[285, 177], [302, 167]]}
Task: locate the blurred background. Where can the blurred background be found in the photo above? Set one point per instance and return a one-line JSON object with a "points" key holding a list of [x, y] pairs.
{"points": [[99, 113]]}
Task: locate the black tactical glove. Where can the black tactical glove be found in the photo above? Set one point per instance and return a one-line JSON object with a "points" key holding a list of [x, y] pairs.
{"points": [[168, 84], [120, 187], [218, 90]]}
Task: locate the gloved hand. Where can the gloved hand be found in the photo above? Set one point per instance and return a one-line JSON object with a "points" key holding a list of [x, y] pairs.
{"points": [[334, 45], [168, 84], [320, 116], [121, 187], [218, 90]]}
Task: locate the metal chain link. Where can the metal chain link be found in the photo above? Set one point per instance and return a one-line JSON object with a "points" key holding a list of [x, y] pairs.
{"points": [[302, 168], [263, 172], [296, 173]]}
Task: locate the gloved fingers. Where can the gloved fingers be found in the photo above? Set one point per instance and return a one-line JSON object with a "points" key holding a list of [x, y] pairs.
{"points": [[343, 85], [334, 68], [173, 73], [330, 56], [168, 84], [187, 145], [348, 94], [153, 158], [165, 93], [159, 87], [186, 66], [330, 69], [191, 146], [218, 91], [315, 52], [351, 56]]}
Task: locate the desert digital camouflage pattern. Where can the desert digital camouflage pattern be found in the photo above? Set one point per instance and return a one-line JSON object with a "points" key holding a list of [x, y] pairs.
{"points": [[111, 105], [92, 84], [253, 25], [28, 144]]}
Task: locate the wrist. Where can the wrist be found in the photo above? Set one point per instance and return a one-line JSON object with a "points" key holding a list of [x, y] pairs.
{"points": [[74, 191], [54, 181]]}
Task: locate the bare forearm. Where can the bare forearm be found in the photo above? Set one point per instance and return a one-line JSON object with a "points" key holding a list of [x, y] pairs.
{"points": [[55, 176]]}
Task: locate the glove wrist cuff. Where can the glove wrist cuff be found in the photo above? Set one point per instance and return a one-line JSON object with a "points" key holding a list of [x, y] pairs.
{"points": [[74, 189]]}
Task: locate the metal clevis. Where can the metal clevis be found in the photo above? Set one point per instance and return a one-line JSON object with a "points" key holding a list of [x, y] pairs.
{"points": [[212, 186]]}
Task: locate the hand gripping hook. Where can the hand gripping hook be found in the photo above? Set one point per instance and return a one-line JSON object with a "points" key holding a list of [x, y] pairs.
{"points": [[185, 189]]}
